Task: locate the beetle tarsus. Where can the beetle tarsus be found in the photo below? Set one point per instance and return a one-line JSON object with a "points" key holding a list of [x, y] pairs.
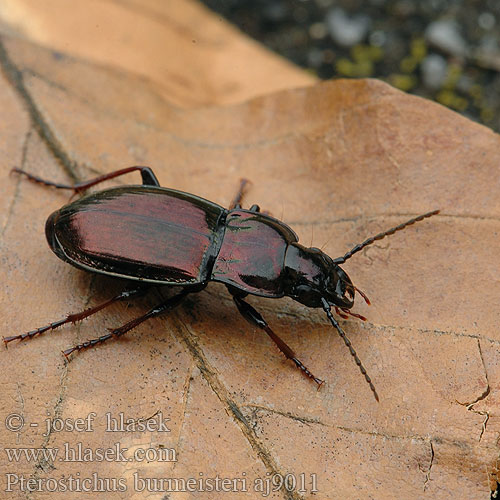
{"points": [[39, 180], [86, 345], [33, 333], [306, 372], [164, 306], [255, 318], [73, 318], [148, 178]]}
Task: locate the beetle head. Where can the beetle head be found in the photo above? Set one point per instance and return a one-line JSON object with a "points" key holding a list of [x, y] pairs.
{"points": [[311, 276]]}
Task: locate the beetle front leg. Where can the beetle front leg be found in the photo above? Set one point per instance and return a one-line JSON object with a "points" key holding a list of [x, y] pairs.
{"points": [[164, 306], [148, 178], [73, 318], [254, 317]]}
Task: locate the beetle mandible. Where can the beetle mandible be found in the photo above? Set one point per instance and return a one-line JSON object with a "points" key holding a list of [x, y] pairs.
{"points": [[158, 236]]}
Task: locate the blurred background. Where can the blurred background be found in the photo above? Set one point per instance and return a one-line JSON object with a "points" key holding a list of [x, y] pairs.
{"points": [[445, 50]]}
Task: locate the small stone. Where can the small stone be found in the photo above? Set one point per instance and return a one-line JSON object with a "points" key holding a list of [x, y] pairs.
{"points": [[445, 35], [347, 31], [275, 11], [434, 69], [315, 57], [377, 38], [317, 31], [486, 20]]}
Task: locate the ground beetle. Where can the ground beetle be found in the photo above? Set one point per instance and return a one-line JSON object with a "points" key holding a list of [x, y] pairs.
{"points": [[158, 236]]}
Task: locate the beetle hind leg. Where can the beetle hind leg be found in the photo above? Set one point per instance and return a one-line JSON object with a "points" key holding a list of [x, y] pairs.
{"points": [[254, 317], [164, 306], [148, 178], [73, 318]]}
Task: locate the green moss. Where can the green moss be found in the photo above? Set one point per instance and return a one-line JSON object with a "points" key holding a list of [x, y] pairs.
{"points": [[418, 49], [402, 82], [452, 100]]}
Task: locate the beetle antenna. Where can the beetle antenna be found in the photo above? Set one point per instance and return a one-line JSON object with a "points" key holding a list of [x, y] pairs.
{"points": [[369, 241], [333, 321]]}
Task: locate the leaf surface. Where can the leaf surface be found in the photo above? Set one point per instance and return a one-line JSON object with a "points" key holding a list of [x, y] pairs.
{"points": [[176, 89]]}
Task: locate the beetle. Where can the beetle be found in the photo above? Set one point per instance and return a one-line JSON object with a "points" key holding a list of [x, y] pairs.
{"points": [[151, 235]]}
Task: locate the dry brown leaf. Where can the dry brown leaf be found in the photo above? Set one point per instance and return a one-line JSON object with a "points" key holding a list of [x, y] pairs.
{"points": [[338, 161]]}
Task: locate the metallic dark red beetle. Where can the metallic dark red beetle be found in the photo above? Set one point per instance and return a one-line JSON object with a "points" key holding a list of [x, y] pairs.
{"points": [[160, 236]]}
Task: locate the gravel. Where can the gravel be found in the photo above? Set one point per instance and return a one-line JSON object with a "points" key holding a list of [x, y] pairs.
{"points": [[446, 50]]}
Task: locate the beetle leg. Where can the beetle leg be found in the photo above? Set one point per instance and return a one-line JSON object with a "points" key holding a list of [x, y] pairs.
{"points": [[164, 306], [254, 317], [73, 318], [236, 203], [148, 178]]}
